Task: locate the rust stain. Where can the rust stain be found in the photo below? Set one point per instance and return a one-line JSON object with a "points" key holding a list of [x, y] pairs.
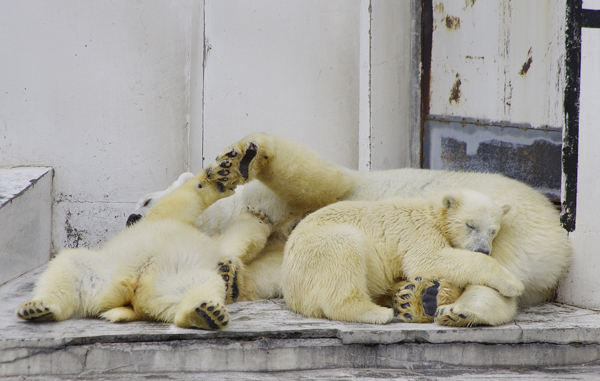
{"points": [[455, 91], [469, 3], [527, 64], [439, 7], [452, 22]]}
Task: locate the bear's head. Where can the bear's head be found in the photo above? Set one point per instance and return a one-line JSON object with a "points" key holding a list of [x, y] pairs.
{"points": [[472, 219], [147, 202]]}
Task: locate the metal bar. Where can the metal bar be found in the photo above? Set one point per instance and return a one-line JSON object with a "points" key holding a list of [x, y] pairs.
{"points": [[571, 107], [590, 18]]}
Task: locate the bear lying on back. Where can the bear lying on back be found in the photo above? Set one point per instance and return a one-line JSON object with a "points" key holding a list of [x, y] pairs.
{"points": [[343, 256], [162, 268]]}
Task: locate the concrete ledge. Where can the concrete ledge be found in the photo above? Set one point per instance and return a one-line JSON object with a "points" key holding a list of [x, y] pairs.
{"points": [[266, 337], [25, 219]]}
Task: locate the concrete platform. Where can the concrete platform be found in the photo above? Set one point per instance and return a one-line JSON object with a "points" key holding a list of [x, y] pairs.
{"points": [[25, 219], [265, 337]]}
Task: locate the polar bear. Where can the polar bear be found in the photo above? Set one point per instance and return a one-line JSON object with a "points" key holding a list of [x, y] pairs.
{"points": [[295, 181], [161, 268], [344, 256]]}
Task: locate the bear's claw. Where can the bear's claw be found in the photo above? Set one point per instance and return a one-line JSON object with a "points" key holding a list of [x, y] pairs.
{"points": [[232, 166], [209, 315], [261, 216], [454, 316], [416, 300], [35, 310], [229, 272]]}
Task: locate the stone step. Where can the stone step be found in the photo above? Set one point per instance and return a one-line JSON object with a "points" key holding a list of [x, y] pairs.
{"points": [[266, 337], [25, 219]]}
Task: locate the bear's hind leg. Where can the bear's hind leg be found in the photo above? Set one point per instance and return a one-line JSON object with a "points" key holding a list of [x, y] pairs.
{"points": [[478, 305], [69, 286], [36, 310], [358, 309], [121, 314], [203, 305], [206, 314]]}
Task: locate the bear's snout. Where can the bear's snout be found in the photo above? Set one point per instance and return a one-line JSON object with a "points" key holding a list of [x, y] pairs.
{"points": [[133, 218]]}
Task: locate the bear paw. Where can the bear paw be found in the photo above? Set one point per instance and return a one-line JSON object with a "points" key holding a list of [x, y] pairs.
{"points": [[209, 315], [260, 215], [232, 166], [416, 300], [455, 316], [229, 272], [35, 310]]}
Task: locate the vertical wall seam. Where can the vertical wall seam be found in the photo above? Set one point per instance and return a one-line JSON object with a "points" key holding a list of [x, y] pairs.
{"points": [[370, 152], [203, 103], [364, 101]]}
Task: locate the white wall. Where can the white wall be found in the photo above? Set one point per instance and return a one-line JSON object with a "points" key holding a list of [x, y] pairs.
{"points": [[389, 112], [98, 90], [283, 67], [121, 97]]}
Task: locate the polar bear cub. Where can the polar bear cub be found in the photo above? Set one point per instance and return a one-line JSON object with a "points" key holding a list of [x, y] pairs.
{"points": [[161, 268], [342, 257]]}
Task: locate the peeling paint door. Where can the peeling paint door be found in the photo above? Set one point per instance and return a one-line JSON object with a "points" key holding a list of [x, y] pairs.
{"points": [[493, 80]]}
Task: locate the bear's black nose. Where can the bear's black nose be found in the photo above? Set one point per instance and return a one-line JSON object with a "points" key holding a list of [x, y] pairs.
{"points": [[133, 218]]}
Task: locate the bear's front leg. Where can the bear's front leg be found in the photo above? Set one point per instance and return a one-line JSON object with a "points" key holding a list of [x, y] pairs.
{"points": [[228, 269], [297, 174], [190, 200], [232, 165]]}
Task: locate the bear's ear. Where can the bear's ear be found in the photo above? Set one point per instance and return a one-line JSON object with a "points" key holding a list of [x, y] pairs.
{"points": [[505, 208], [450, 201]]}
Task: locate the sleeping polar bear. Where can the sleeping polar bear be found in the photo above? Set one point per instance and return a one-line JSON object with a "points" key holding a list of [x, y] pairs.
{"points": [[344, 256], [295, 181]]}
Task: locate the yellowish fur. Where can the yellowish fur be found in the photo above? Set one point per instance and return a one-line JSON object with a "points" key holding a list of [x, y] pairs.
{"points": [[342, 257], [532, 245], [162, 268]]}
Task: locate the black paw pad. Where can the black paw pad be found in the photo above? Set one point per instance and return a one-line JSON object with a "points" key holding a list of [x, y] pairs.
{"points": [[235, 291], [206, 317], [430, 298], [247, 159], [223, 172]]}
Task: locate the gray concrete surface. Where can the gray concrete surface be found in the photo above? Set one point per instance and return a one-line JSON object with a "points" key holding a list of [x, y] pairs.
{"points": [[25, 219], [268, 341]]}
